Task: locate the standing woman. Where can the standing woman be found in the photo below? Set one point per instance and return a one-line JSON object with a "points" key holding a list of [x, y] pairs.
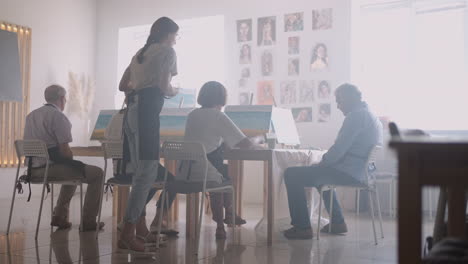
{"points": [[146, 82]]}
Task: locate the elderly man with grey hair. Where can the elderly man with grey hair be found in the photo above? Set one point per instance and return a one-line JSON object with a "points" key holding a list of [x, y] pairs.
{"points": [[49, 124], [344, 163]]}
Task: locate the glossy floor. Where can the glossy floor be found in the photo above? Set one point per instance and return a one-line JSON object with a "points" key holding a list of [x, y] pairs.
{"points": [[247, 246]]}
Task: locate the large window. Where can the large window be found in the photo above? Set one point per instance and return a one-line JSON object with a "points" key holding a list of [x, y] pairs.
{"points": [[410, 60]]}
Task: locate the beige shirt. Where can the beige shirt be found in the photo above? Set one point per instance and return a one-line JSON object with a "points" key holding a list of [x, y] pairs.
{"points": [[159, 61]]}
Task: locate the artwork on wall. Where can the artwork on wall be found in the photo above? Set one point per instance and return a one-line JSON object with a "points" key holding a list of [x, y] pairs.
{"points": [[288, 92], [265, 93], [245, 73], [324, 90], [266, 33], [319, 59], [267, 63], [306, 92], [293, 45], [244, 30], [324, 113], [245, 54], [293, 67], [244, 98], [294, 22], [302, 114], [322, 19]]}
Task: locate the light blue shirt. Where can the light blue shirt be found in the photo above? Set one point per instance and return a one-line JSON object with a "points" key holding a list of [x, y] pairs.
{"points": [[360, 132]]}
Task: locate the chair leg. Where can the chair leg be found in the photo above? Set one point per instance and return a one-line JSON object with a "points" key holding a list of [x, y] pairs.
{"points": [[431, 213], [233, 214], [81, 206], [332, 189], [13, 199], [358, 199], [40, 211], [164, 200], [100, 204], [51, 201], [197, 234], [379, 211], [390, 199], [371, 203], [320, 213]]}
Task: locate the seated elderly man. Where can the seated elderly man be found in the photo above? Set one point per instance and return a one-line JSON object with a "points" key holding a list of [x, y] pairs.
{"points": [[50, 125], [344, 163]]}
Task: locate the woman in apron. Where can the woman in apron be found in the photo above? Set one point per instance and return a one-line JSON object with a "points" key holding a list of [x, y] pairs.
{"points": [[212, 128], [146, 82]]}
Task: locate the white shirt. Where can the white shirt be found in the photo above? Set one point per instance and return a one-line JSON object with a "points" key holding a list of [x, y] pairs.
{"points": [[211, 128], [158, 61]]}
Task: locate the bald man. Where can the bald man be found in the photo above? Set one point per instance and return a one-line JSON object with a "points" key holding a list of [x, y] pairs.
{"points": [[49, 124]]}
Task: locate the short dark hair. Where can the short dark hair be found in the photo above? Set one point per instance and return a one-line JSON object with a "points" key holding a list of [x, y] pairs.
{"points": [[54, 92], [349, 91], [212, 94]]}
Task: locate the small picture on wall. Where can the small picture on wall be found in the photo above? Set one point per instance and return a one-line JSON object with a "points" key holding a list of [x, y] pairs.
{"points": [[324, 90], [266, 62], [293, 66], [294, 22], [288, 92], [266, 34], [319, 59], [306, 92], [324, 113], [265, 93], [322, 19], [244, 30], [245, 73], [243, 82], [244, 98], [293, 45], [245, 54], [302, 114]]}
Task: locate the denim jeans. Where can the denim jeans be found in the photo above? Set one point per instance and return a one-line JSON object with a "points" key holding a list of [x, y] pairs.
{"points": [[296, 178]]}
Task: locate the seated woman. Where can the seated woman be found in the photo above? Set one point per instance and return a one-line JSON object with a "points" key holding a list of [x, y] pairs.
{"points": [[123, 173], [214, 129]]}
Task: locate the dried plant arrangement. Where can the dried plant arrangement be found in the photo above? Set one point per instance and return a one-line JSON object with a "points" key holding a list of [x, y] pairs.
{"points": [[80, 95]]}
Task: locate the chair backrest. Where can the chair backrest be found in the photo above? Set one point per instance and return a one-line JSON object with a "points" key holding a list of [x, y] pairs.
{"points": [[31, 148], [394, 131], [373, 155], [189, 153], [113, 149]]}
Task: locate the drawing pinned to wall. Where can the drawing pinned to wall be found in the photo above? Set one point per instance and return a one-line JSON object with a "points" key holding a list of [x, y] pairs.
{"points": [[294, 22], [302, 114], [267, 63], [245, 54], [266, 33], [293, 45], [324, 113], [306, 92], [265, 93], [244, 83], [245, 73], [319, 58], [244, 30], [244, 98], [322, 19], [324, 90], [288, 92], [293, 66]]}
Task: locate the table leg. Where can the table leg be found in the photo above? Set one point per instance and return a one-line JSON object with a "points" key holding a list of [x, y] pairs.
{"points": [[440, 215], [119, 203], [456, 212], [173, 214], [235, 169], [268, 166], [409, 209], [192, 214]]}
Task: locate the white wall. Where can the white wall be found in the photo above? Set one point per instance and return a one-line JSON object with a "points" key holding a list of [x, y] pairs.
{"points": [[115, 14], [63, 40]]}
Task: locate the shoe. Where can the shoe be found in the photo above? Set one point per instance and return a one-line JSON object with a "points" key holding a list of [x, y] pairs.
{"points": [[220, 233], [132, 247], [91, 226], [150, 239], [239, 221], [335, 228], [295, 233], [165, 231], [60, 221]]}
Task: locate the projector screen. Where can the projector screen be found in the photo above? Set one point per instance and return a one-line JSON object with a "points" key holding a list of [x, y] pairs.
{"points": [[10, 72]]}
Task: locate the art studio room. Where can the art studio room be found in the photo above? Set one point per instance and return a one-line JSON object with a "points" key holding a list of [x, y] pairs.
{"points": [[235, 132]]}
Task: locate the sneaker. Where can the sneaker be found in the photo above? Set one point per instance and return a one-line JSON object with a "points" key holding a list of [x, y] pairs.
{"points": [[60, 221], [91, 226], [295, 233], [335, 228]]}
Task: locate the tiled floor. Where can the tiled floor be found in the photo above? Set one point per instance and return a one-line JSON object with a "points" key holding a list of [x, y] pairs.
{"points": [[70, 246]]}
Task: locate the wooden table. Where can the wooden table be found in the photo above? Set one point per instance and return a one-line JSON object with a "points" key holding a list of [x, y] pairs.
{"points": [[429, 162]]}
